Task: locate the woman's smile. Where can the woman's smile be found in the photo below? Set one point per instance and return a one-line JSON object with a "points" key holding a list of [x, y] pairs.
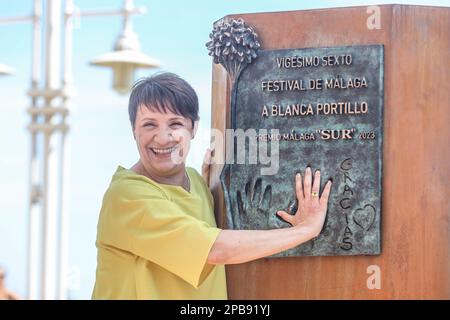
{"points": [[164, 152]]}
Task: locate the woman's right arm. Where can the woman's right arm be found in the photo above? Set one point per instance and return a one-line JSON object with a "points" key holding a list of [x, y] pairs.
{"points": [[238, 246]]}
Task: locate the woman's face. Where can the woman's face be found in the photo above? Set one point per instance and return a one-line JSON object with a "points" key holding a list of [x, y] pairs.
{"points": [[163, 141]]}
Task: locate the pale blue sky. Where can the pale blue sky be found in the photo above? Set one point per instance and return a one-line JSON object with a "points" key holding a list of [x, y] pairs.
{"points": [[172, 31]]}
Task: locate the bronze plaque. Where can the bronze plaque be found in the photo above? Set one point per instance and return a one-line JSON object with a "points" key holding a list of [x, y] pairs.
{"points": [[321, 107]]}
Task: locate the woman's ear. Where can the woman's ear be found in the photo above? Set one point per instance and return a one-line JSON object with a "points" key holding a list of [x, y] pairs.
{"points": [[194, 130]]}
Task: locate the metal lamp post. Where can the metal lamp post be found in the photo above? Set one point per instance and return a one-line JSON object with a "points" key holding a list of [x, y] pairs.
{"points": [[126, 57], [48, 214]]}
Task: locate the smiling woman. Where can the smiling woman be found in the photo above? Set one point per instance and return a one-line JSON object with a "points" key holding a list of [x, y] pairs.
{"points": [[156, 226], [156, 236]]}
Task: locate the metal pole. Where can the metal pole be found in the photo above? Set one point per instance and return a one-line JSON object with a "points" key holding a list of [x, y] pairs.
{"points": [[128, 7], [68, 30], [9, 20], [49, 168], [106, 13], [64, 157], [34, 197]]}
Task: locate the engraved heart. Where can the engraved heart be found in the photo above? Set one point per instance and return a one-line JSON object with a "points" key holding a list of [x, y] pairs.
{"points": [[365, 217]]}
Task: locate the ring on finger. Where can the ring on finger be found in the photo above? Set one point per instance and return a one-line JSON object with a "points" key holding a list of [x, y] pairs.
{"points": [[314, 194]]}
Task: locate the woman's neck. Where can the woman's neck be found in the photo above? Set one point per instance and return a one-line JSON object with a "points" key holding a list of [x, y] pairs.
{"points": [[178, 178]]}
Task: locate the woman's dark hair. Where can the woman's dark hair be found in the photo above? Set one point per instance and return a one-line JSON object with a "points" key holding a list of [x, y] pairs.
{"points": [[162, 92]]}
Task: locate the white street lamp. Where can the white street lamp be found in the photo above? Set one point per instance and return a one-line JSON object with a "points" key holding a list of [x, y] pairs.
{"points": [[126, 57], [50, 93], [5, 70], [124, 63]]}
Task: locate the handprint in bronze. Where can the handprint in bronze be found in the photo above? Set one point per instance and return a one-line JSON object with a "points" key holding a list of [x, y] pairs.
{"points": [[253, 205]]}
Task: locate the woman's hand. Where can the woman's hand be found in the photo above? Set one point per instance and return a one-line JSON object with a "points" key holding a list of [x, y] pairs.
{"points": [[312, 208], [206, 166], [238, 246]]}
